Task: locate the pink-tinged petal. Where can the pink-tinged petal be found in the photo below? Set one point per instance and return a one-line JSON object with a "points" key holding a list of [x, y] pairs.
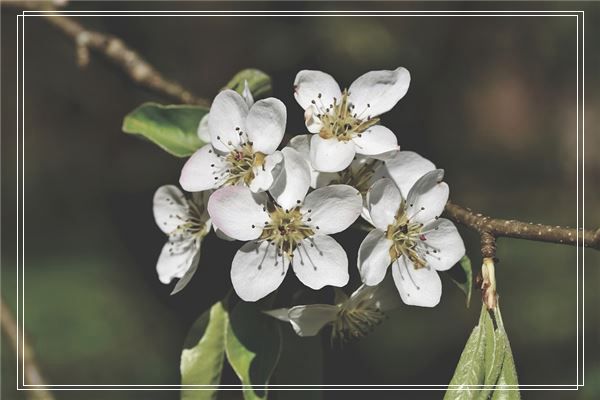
{"points": [[238, 212], [202, 171]]}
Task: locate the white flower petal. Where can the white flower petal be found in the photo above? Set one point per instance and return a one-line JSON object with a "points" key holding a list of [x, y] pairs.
{"points": [[265, 125], [238, 212], [427, 198], [247, 94], [221, 235], [301, 143], [201, 169], [376, 140], [226, 119], [377, 92], [292, 182], [374, 257], [406, 167], [384, 200], [170, 208], [176, 258], [320, 261], [332, 208], [257, 270], [281, 314], [330, 155], [203, 131], [265, 174], [444, 244], [187, 277], [309, 84], [417, 287], [317, 179], [310, 319], [312, 120]]}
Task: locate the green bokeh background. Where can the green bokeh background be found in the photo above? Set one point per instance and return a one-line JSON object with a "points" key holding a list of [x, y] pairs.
{"points": [[492, 101]]}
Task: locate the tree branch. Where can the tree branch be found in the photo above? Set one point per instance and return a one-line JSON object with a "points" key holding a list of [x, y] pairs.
{"points": [[33, 375], [521, 230], [114, 49], [141, 72]]}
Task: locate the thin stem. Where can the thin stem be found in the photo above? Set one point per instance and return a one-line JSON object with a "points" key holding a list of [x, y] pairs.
{"points": [[114, 49], [25, 355], [522, 230], [141, 72]]}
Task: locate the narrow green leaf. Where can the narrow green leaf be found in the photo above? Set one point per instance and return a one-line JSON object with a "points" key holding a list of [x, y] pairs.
{"points": [[471, 366], [508, 374], [259, 83], [173, 127], [494, 356], [466, 285], [203, 354], [252, 346]]}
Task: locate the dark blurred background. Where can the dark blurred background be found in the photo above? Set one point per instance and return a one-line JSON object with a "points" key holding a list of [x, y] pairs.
{"points": [[492, 101]]}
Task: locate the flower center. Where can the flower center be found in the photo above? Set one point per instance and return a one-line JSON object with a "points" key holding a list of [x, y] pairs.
{"points": [[361, 178], [407, 238], [357, 321], [340, 120], [192, 224], [286, 229], [240, 164]]}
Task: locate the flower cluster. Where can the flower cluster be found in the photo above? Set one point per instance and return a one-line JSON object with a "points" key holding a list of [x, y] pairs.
{"points": [[286, 203]]}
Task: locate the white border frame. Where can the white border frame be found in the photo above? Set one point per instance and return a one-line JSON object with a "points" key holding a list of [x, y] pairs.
{"points": [[21, 165]]}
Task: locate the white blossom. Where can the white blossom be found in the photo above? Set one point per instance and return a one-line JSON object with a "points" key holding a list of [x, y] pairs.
{"points": [[350, 317], [346, 123], [410, 236], [403, 167], [292, 228], [186, 222], [244, 136]]}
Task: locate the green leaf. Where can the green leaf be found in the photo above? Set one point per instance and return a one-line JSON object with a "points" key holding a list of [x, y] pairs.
{"points": [[252, 345], [173, 127], [203, 354], [471, 366], [494, 356], [259, 83], [486, 360], [465, 286], [508, 374]]}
